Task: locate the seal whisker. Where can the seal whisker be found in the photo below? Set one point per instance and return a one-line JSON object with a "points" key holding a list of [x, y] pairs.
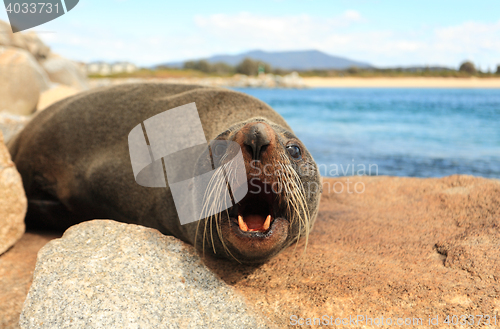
{"points": [[229, 175], [289, 196], [207, 206], [298, 201], [217, 202]]}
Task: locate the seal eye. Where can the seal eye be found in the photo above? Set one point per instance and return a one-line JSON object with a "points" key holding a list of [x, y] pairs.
{"points": [[294, 151], [220, 149]]}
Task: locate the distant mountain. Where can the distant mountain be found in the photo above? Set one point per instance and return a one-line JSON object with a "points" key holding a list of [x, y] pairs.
{"points": [[288, 60]]}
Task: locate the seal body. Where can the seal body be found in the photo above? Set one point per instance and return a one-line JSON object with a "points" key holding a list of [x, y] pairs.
{"points": [[75, 164]]}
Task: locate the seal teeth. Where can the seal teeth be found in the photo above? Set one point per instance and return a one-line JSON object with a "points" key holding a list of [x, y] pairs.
{"points": [[267, 223], [242, 224]]}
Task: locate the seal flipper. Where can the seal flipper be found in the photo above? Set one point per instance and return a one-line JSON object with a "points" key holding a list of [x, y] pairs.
{"points": [[45, 214], [46, 211]]}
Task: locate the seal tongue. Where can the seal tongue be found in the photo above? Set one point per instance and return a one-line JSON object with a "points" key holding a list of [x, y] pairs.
{"points": [[254, 222]]}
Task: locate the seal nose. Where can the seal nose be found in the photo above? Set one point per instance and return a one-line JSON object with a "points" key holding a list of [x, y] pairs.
{"points": [[256, 139]]}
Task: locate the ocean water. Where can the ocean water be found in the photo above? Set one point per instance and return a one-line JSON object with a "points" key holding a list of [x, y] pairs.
{"points": [[397, 132]]}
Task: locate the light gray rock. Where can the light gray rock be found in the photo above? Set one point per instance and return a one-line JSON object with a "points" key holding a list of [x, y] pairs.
{"points": [[5, 34], [9, 39], [105, 274], [28, 41], [35, 45], [21, 81], [11, 124], [12, 201], [66, 72]]}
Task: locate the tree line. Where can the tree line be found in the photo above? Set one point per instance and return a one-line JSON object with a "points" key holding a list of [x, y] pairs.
{"points": [[247, 66], [253, 67], [470, 68]]}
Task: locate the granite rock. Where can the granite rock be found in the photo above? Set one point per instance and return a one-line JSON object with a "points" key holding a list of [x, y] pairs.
{"points": [[105, 274], [35, 45], [21, 81], [12, 201], [402, 248], [5, 34], [65, 72], [11, 124], [391, 247], [9, 39], [16, 271]]}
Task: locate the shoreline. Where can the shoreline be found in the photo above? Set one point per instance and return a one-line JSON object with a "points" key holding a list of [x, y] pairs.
{"points": [[403, 82], [315, 82]]}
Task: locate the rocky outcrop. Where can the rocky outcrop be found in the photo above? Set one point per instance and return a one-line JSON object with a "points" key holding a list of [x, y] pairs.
{"points": [[28, 41], [9, 39], [292, 80], [65, 72], [392, 247], [16, 272], [35, 45], [11, 124], [28, 68], [12, 201], [105, 274], [21, 81]]}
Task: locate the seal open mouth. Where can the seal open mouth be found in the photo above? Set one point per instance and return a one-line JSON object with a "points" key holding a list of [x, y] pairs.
{"points": [[257, 227], [256, 212]]}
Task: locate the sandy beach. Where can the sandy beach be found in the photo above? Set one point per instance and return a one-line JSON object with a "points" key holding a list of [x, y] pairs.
{"points": [[416, 82]]}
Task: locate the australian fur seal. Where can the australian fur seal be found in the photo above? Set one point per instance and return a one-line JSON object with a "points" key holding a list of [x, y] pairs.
{"points": [[75, 164]]}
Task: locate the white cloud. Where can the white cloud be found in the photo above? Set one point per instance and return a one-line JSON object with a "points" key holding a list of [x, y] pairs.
{"points": [[282, 26], [346, 34], [245, 31], [352, 15], [439, 46], [252, 25], [470, 38]]}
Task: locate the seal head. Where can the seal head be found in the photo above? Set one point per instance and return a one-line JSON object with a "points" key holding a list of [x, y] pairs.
{"points": [[282, 199]]}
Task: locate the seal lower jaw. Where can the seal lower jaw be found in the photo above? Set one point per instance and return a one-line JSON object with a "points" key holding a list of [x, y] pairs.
{"points": [[257, 227], [257, 246]]}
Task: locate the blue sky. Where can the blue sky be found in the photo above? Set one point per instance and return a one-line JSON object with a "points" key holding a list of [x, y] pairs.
{"points": [[381, 32]]}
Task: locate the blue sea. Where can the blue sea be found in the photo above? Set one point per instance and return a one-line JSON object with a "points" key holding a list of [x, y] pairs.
{"points": [[397, 132]]}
